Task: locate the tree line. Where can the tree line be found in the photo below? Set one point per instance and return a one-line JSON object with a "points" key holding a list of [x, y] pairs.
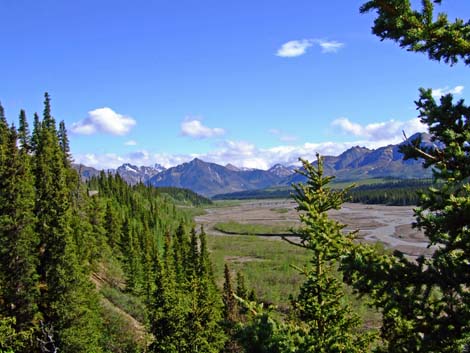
{"points": [[392, 193]]}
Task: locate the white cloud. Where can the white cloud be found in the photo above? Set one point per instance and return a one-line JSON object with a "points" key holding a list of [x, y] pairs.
{"points": [[194, 128], [388, 132], [330, 46], [239, 153], [247, 154], [438, 92], [294, 48], [143, 157], [130, 143], [104, 120]]}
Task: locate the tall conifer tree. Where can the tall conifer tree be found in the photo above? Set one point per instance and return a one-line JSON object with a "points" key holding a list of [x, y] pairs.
{"points": [[64, 143], [330, 324], [67, 302], [168, 311], [24, 136], [36, 133], [18, 241]]}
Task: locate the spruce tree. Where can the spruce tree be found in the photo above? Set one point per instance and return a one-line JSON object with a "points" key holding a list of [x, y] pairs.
{"points": [[24, 136], [241, 291], [2, 113], [230, 314], [4, 138], [36, 133], [68, 302], [205, 316], [64, 144], [230, 304], [330, 325], [421, 31], [168, 311], [18, 241], [113, 227], [179, 252], [192, 256], [425, 302]]}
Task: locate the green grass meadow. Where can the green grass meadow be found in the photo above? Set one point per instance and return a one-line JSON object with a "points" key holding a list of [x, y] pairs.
{"points": [[267, 265]]}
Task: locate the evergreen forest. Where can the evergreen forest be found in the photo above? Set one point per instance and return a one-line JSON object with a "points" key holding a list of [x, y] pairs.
{"points": [[101, 266]]}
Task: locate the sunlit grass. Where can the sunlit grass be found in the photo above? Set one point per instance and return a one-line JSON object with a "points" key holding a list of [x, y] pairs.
{"points": [[268, 267]]}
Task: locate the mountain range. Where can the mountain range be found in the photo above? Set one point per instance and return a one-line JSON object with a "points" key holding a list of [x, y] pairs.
{"points": [[210, 179]]}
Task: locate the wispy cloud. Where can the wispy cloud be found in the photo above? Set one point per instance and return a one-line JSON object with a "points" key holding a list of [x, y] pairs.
{"points": [[330, 46], [294, 48], [104, 120], [388, 131], [130, 143], [438, 92], [194, 128], [299, 47]]}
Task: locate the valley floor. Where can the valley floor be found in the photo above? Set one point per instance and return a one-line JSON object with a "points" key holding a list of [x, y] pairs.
{"points": [[389, 225]]}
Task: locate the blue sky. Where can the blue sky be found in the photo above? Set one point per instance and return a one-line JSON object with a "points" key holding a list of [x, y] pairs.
{"points": [[250, 83]]}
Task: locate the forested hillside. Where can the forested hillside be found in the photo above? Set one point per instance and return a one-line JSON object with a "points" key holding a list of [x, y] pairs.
{"points": [[83, 265]]}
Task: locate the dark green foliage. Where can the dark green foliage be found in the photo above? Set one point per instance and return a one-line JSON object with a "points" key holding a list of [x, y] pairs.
{"points": [[24, 136], [67, 302], [228, 298], [396, 193], [425, 302], [134, 218], [205, 314], [168, 313], [11, 340], [263, 334], [230, 314], [19, 281], [329, 323], [57, 233], [321, 320], [184, 196], [269, 193], [64, 144], [112, 227], [186, 313], [421, 31], [241, 292], [36, 133]]}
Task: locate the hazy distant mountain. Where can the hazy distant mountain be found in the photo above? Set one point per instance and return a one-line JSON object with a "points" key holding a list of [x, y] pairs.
{"points": [[281, 171], [232, 167], [362, 163], [209, 178], [133, 174], [85, 172]]}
